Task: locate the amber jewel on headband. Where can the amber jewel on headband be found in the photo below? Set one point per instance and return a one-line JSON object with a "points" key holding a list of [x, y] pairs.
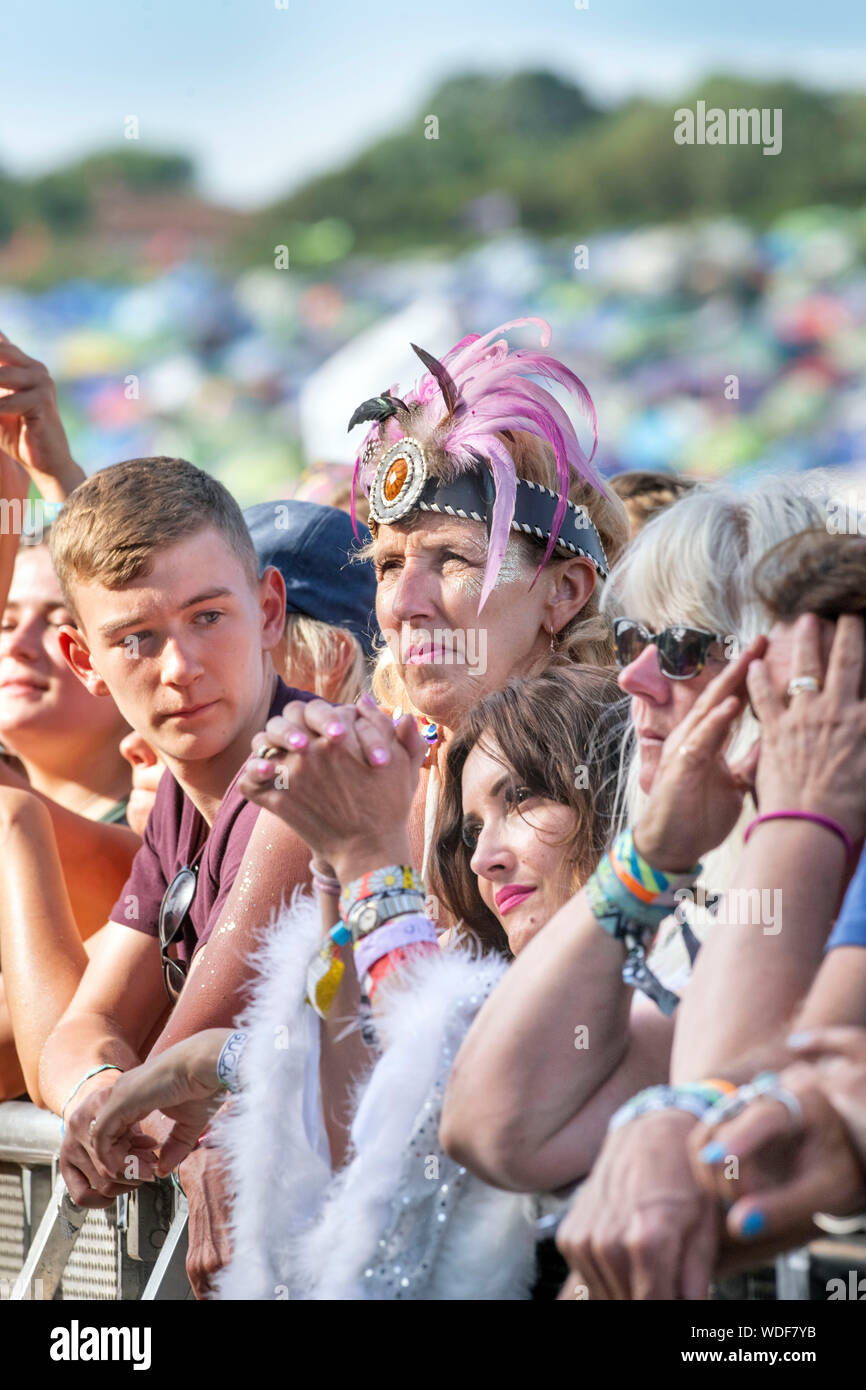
{"points": [[399, 480]]}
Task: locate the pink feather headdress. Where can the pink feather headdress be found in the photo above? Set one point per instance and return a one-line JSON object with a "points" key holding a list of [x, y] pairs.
{"points": [[462, 406]]}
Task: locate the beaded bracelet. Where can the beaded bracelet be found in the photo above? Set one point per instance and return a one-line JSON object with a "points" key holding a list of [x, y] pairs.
{"points": [[693, 1097]]}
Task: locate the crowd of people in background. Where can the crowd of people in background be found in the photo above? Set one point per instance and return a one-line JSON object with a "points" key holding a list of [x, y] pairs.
{"points": [[465, 902]]}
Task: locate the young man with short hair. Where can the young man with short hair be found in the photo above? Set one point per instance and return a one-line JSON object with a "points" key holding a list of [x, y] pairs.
{"points": [[174, 622]]}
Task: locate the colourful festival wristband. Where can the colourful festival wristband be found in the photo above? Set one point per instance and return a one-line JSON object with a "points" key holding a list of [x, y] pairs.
{"points": [[391, 963], [813, 816], [628, 896], [229, 1061], [693, 1098], [380, 883], [403, 931]]}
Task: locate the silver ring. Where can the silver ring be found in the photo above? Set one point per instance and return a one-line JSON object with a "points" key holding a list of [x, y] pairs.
{"points": [[729, 1106], [800, 684], [790, 1102]]}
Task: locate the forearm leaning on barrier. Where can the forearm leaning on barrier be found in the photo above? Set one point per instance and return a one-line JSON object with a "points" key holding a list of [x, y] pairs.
{"points": [[773, 963], [42, 952]]}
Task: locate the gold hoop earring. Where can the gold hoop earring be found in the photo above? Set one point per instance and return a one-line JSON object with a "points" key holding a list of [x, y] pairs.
{"points": [[552, 639]]}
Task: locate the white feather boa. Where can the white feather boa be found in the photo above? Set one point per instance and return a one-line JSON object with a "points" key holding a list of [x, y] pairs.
{"points": [[401, 1220]]}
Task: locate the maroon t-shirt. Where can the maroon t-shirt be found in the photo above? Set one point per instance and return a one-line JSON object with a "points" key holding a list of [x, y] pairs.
{"points": [[175, 832]]}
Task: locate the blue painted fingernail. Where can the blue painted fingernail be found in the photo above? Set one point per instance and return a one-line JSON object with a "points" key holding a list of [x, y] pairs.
{"points": [[753, 1224], [798, 1040], [712, 1153]]}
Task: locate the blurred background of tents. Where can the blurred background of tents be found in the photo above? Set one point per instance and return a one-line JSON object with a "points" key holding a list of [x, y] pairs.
{"points": [[713, 299]]}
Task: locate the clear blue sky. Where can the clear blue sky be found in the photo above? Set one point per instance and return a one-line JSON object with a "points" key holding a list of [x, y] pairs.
{"points": [[263, 96]]}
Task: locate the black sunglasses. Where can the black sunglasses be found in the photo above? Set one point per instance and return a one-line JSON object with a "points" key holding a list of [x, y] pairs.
{"points": [[682, 651], [176, 903]]}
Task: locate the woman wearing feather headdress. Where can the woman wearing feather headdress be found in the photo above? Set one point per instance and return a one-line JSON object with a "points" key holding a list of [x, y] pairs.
{"points": [[491, 532], [481, 455]]}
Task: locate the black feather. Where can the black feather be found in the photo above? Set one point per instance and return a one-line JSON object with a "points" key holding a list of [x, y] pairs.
{"points": [[377, 408], [450, 394]]}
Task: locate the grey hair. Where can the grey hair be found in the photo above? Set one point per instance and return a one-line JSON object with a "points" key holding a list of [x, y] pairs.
{"points": [[694, 564]]}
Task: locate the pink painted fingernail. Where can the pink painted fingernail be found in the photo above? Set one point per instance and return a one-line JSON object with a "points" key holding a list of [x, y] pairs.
{"points": [[368, 700], [378, 756], [296, 739], [261, 767], [334, 729]]}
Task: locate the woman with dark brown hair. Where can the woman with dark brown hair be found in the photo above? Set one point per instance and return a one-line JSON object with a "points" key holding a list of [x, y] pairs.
{"points": [[528, 808], [558, 737]]}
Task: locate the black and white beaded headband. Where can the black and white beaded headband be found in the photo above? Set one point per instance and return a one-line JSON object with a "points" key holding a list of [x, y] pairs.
{"points": [[402, 485]]}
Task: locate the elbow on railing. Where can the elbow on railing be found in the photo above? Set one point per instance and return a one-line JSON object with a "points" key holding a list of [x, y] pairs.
{"points": [[13, 1083]]}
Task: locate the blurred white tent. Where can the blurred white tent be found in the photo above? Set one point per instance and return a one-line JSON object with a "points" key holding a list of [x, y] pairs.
{"points": [[376, 359]]}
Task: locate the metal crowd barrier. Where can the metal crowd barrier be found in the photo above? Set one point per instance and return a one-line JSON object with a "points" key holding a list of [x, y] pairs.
{"points": [[52, 1249]]}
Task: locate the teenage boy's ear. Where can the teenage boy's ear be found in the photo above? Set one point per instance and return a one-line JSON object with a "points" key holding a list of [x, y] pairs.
{"points": [[77, 653], [573, 584], [272, 601]]}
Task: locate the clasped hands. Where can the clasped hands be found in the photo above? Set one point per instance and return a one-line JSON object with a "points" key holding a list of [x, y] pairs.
{"points": [[351, 774]]}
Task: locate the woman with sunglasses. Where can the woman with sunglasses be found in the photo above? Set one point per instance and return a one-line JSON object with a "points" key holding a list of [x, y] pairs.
{"points": [[525, 1107], [753, 983]]}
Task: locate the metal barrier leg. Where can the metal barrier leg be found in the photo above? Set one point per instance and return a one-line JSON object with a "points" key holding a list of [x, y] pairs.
{"points": [[51, 1247], [169, 1280], [792, 1276]]}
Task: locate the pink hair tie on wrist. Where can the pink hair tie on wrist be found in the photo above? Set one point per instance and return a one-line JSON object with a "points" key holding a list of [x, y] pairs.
{"points": [[329, 886], [812, 816]]}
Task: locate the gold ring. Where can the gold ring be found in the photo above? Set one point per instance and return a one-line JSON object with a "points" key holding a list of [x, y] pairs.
{"points": [[268, 751]]}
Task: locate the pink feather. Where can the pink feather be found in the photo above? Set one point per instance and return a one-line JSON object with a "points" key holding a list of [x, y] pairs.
{"points": [[495, 395], [464, 354], [505, 478]]}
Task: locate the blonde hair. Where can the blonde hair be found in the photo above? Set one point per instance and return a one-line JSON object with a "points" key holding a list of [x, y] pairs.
{"points": [[587, 638], [646, 493], [318, 647]]}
